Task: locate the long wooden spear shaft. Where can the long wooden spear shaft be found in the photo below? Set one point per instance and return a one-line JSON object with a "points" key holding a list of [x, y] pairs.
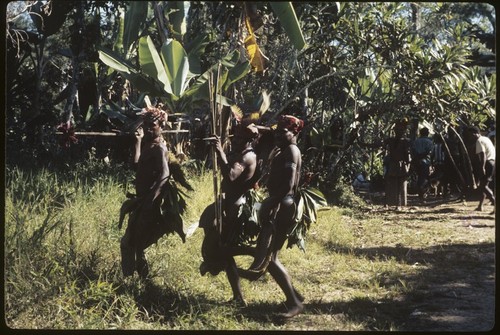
{"points": [[107, 133], [218, 222], [218, 118]]}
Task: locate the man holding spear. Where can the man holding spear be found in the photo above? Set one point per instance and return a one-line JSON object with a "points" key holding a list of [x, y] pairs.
{"points": [[239, 175]]}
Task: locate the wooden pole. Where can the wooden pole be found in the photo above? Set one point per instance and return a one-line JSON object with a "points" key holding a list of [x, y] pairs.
{"points": [[107, 133], [218, 116], [218, 222]]}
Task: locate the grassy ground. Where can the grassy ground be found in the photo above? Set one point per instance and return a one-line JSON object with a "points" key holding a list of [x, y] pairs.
{"points": [[425, 268]]}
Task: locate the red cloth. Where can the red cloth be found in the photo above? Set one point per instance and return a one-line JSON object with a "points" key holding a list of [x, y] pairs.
{"points": [[291, 123]]}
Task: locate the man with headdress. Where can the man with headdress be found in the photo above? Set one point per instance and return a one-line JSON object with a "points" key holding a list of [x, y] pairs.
{"points": [[277, 211], [150, 215], [397, 165], [239, 175]]}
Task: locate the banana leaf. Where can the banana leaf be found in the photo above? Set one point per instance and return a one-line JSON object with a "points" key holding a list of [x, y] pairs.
{"points": [[195, 49], [176, 65], [235, 71], [151, 63], [308, 202], [176, 18], [141, 81], [288, 19], [135, 16], [257, 58]]}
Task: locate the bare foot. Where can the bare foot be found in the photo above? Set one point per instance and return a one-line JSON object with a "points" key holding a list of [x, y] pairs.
{"points": [[293, 311]]}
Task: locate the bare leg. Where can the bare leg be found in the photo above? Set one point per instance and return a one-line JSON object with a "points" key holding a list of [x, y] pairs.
{"points": [[234, 280], [486, 192], [141, 264], [282, 278], [127, 257], [127, 250]]}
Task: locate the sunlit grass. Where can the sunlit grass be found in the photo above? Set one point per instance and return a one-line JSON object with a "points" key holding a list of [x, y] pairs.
{"points": [[63, 263]]}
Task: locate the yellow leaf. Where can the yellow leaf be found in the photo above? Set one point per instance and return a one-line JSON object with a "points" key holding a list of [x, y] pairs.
{"points": [[257, 58]]}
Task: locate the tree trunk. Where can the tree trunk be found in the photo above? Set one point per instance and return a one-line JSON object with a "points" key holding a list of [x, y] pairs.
{"points": [[76, 41]]}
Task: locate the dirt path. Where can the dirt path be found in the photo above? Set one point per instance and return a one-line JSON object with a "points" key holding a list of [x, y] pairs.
{"points": [[458, 294], [456, 290]]}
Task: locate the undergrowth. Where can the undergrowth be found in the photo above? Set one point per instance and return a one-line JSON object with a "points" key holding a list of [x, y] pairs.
{"points": [[62, 263]]}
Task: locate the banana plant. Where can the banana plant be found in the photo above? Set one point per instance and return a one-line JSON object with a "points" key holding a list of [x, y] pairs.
{"points": [[288, 19], [130, 26], [167, 74]]}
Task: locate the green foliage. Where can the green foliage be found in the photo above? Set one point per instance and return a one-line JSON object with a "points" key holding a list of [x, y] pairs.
{"points": [[342, 194], [363, 63], [131, 24], [288, 19], [310, 200]]}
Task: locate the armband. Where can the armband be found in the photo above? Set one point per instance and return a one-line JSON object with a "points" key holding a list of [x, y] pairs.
{"points": [[291, 165]]}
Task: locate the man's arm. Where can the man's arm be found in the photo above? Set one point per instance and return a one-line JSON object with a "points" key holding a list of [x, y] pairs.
{"points": [[229, 171], [287, 175], [481, 154], [161, 161], [139, 134]]}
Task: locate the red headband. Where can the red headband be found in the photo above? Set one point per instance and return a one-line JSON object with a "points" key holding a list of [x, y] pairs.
{"points": [[291, 123]]}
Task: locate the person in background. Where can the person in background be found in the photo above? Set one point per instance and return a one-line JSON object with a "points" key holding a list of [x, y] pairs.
{"points": [[438, 165], [397, 166], [485, 152], [453, 179], [421, 151]]}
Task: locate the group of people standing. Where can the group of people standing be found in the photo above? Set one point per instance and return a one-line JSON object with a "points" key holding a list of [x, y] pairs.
{"points": [[438, 163], [240, 171]]}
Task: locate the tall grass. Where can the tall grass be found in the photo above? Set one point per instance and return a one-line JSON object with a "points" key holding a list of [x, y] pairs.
{"points": [[62, 263]]}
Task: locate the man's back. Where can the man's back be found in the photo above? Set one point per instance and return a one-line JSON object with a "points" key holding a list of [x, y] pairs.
{"points": [[422, 147], [283, 165], [485, 145]]}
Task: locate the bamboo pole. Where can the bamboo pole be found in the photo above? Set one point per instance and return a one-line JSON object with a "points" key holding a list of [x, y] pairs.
{"points": [[218, 116], [107, 133], [218, 222]]}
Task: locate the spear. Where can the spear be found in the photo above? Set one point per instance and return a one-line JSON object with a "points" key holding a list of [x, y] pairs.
{"points": [[118, 133], [214, 157], [218, 109]]}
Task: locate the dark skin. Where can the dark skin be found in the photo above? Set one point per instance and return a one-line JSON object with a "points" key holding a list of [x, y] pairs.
{"points": [[283, 179], [486, 191], [237, 170], [152, 163], [151, 175]]}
